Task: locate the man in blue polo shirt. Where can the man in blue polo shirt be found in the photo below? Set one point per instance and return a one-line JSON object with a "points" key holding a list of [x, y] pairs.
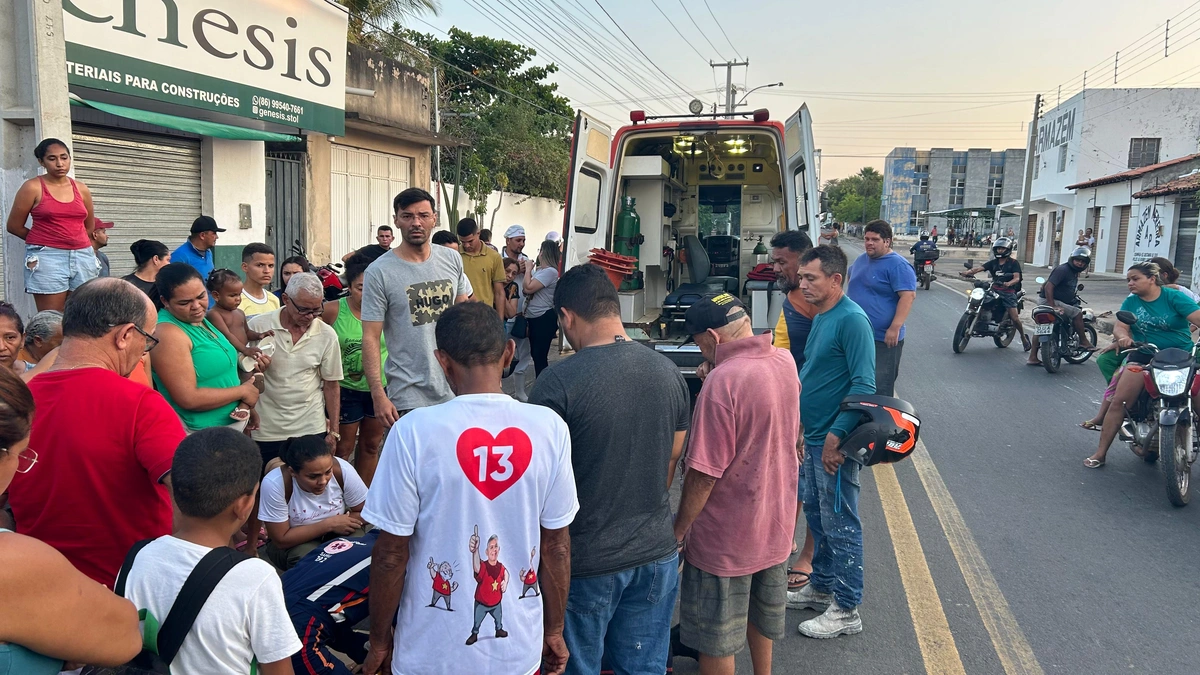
{"points": [[197, 251], [884, 284]]}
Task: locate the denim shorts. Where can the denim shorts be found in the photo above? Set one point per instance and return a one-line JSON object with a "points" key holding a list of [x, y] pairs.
{"points": [[355, 406], [56, 270]]}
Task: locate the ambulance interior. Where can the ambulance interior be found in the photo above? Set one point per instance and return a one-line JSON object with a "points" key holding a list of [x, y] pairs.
{"points": [[705, 201]]}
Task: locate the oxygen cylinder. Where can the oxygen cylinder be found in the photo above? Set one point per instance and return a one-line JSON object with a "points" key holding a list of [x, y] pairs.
{"points": [[628, 238]]}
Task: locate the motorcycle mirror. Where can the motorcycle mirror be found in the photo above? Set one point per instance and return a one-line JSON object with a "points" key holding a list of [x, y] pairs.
{"points": [[1079, 287], [1040, 280], [1126, 318]]}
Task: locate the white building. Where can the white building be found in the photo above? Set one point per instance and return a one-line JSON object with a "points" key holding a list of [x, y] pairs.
{"points": [[1094, 134]]}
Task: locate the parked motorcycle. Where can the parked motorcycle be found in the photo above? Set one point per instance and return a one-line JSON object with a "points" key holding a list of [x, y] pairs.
{"points": [[986, 316], [330, 275], [1056, 335], [1162, 423]]}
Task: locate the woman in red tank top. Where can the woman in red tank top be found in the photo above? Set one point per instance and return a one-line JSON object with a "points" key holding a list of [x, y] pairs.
{"points": [[58, 250]]}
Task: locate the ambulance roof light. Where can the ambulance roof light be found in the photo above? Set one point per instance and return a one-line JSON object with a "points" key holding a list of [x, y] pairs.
{"points": [[762, 115], [636, 116]]}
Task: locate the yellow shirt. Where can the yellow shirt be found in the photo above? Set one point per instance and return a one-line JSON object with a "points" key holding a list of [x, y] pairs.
{"points": [[482, 270], [252, 306], [293, 403]]}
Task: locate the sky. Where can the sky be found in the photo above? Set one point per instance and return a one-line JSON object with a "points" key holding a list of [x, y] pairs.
{"points": [[875, 75]]}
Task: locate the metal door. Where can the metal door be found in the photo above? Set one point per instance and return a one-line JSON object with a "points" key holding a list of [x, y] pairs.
{"points": [[1030, 236], [1122, 238], [285, 203], [1185, 240]]}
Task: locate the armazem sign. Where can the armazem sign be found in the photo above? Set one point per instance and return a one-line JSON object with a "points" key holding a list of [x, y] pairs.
{"points": [[280, 61]]}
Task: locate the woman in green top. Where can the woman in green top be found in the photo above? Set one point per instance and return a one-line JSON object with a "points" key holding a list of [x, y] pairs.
{"points": [[1163, 318], [358, 410], [51, 612], [195, 367]]}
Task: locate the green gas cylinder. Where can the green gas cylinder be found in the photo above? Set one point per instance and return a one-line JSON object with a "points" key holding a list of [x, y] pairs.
{"points": [[628, 238]]}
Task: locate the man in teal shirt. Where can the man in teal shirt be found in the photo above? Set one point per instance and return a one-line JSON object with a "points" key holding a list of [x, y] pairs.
{"points": [[839, 361]]}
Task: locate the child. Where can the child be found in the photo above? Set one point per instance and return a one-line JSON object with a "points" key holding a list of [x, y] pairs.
{"points": [[226, 289], [321, 499], [214, 478], [258, 266]]}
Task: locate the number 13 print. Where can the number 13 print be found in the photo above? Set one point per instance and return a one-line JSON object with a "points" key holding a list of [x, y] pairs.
{"points": [[493, 464]]}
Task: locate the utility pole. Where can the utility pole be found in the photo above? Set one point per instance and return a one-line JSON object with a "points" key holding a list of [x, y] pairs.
{"points": [[1030, 158], [729, 66], [437, 149]]}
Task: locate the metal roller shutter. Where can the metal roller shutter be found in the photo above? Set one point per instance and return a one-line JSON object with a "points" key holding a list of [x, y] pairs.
{"points": [[1185, 240], [1122, 237], [148, 185]]}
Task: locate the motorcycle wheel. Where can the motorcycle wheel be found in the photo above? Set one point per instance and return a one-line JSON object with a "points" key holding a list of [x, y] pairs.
{"points": [[1077, 356], [962, 334], [1004, 338], [1174, 445], [928, 281], [1051, 360]]}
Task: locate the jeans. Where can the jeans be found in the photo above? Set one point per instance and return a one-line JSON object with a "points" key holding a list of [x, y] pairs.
{"points": [[887, 367], [482, 610], [838, 553], [623, 619]]}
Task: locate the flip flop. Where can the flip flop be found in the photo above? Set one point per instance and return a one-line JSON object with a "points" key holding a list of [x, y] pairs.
{"points": [[1033, 364], [1093, 463], [797, 585], [1090, 425]]}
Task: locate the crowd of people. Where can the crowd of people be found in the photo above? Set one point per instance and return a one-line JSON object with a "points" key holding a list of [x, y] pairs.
{"points": [[255, 473]]}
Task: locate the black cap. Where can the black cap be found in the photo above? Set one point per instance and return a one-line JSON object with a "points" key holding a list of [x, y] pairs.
{"points": [[710, 312], [205, 224]]}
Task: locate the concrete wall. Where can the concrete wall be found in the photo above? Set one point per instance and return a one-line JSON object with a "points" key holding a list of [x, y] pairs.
{"points": [[33, 105], [537, 215], [979, 164], [940, 161], [1014, 175], [898, 187], [234, 173], [402, 93]]}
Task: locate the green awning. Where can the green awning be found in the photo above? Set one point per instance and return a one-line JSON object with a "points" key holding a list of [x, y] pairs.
{"points": [[199, 127]]}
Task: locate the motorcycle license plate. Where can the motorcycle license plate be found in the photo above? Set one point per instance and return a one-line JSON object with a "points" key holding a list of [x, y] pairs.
{"points": [[1043, 329]]}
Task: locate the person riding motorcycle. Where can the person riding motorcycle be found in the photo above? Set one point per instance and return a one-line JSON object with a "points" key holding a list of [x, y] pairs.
{"points": [[1006, 281], [926, 247], [1059, 292]]}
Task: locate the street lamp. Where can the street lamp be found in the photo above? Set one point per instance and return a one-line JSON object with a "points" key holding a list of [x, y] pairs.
{"points": [[764, 86]]}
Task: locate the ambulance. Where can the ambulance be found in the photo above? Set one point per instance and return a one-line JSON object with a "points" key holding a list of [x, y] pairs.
{"points": [[694, 200]]}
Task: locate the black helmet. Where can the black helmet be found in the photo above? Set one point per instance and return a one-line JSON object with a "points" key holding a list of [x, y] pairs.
{"points": [[1002, 243], [887, 430], [1081, 253]]}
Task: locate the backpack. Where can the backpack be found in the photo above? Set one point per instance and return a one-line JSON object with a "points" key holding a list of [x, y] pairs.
{"points": [[161, 642]]}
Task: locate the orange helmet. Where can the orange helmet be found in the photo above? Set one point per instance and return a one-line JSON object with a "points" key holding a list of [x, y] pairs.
{"points": [[887, 430]]}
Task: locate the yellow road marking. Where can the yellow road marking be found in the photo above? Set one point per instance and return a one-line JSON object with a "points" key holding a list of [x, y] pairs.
{"points": [[929, 619], [1014, 651]]}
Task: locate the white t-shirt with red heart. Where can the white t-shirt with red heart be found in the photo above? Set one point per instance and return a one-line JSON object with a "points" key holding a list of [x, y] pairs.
{"points": [[482, 469]]}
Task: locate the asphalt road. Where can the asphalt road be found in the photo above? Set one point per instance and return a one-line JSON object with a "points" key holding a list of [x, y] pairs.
{"points": [[996, 551]]}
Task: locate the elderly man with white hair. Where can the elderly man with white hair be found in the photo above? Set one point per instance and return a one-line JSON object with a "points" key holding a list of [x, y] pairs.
{"points": [[43, 334], [301, 397]]}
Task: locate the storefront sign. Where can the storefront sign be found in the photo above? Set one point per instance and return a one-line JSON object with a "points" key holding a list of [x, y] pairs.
{"points": [[1148, 236], [1056, 131], [282, 62]]}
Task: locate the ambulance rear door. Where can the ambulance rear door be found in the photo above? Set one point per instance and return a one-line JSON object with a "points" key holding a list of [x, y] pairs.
{"points": [[800, 174], [587, 217]]}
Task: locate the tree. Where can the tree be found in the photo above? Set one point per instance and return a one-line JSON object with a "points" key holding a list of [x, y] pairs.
{"points": [[856, 198], [518, 141], [366, 14]]}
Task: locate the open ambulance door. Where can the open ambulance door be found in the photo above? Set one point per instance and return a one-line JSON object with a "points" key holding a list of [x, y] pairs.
{"points": [[587, 217], [800, 174]]}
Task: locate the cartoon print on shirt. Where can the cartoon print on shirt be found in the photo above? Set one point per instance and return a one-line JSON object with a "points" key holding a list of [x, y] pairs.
{"points": [[442, 575], [492, 579], [428, 299], [529, 577]]}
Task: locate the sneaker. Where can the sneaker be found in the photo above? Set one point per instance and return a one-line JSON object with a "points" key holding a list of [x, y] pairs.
{"points": [[834, 622], [809, 598]]}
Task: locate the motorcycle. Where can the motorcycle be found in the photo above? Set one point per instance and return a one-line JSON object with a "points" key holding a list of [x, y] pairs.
{"points": [[1162, 421], [986, 316], [925, 270], [1056, 335], [329, 274]]}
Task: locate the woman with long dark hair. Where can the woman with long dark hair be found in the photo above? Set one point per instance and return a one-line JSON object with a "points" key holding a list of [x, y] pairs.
{"points": [[150, 256], [539, 309], [58, 247]]}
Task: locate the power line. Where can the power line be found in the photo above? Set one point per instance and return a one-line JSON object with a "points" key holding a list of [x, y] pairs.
{"points": [[677, 32], [635, 46], [702, 33], [736, 52], [485, 83]]}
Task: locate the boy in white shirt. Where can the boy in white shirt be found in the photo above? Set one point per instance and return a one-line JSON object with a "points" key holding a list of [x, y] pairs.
{"points": [[464, 489], [214, 479]]}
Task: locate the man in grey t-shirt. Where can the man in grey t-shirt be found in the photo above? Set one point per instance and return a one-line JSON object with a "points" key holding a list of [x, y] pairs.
{"points": [[405, 291], [627, 408]]}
